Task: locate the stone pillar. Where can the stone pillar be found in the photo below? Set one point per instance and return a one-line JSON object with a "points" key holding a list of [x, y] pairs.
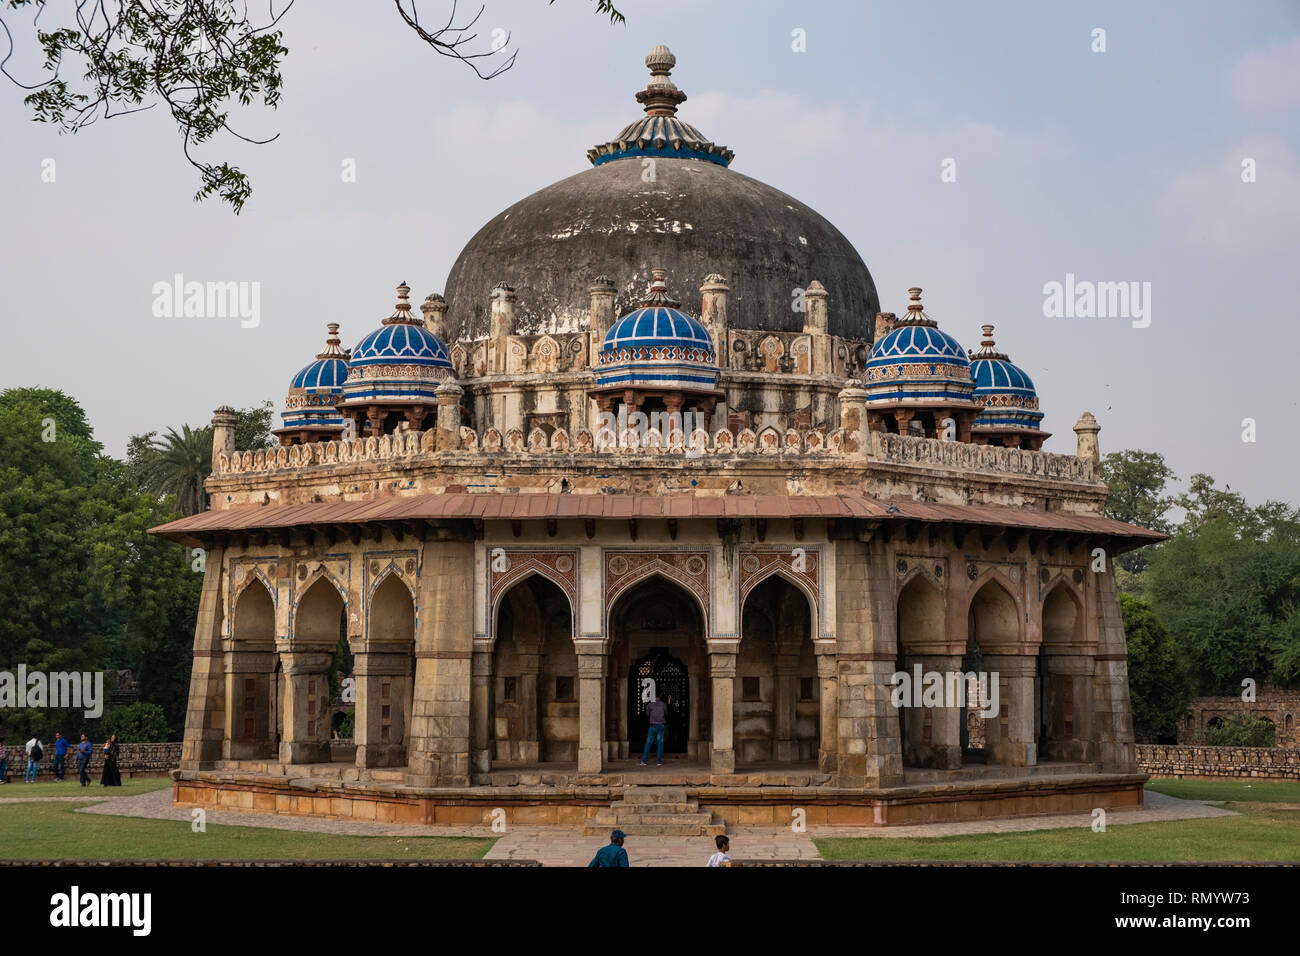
{"points": [[223, 433], [251, 714], [1112, 713], [601, 317], [1067, 708], [853, 418], [713, 314], [722, 668], [869, 752], [933, 732], [305, 737], [383, 681], [205, 715], [434, 308], [530, 669], [591, 707], [1009, 737], [501, 327], [449, 395], [439, 742], [480, 701], [1086, 428], [814, 316], [786, 674], [828, 675]]}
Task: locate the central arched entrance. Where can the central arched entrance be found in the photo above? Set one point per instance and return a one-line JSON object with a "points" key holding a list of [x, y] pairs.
{"points": [[657, 645]]}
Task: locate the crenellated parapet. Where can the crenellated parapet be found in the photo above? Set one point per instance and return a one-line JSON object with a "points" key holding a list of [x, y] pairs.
{"points": [[911, 449], [630, 443]]}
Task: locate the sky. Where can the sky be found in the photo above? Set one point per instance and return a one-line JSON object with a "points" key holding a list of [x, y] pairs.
{"points": [[981, 151]]}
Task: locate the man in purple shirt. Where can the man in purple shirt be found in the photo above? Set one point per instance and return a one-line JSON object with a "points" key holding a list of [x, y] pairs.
{"points": [[657, 711]]}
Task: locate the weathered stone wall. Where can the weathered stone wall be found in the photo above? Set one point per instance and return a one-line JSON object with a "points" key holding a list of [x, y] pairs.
{"points": [[1282, 707], [132, 760], [1264, 763]]}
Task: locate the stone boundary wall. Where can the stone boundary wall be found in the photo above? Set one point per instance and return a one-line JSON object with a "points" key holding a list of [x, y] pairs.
{"points": [[898, 449], [1260, 763], [134, 760]]}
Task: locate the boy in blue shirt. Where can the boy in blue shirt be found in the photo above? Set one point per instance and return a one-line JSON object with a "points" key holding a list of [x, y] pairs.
{"points": [[60, 754]]}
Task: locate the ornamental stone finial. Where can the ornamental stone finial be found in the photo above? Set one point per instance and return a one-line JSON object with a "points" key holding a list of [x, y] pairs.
{"points": [[1086, 429]]}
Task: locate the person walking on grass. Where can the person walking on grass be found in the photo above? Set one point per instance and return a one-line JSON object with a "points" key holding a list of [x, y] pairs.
{"points": [[83, 760], [60, 755], [657, 711], [34, 754], [720, 858], [4, 762], [111, 777], [612, 853]]}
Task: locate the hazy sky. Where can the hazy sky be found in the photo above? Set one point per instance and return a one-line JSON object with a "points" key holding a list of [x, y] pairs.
{"points": [[1117, 166]]}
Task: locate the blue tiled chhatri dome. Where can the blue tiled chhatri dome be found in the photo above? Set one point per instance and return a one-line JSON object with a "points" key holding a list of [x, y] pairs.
{"points": [[916, 364], [399, 363], [1006, 395], [309, 405], [657, 346]]}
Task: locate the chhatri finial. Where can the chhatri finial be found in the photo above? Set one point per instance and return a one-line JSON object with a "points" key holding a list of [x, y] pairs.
{"points": [[915, 312], [988, 348], [657, 294], [661, 97], [333, 344], [402, 311]]}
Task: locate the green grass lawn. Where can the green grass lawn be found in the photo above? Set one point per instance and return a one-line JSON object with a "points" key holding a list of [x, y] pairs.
{"points": [[53, 830], [1268, 829], [1241, 791], [70, 788]]}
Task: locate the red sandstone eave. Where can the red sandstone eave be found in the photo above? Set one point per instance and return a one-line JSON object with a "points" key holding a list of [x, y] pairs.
{"points": [[254, 518]]}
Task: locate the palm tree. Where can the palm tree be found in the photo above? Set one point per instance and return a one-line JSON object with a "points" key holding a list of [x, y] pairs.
{"points": [[177, 464]]}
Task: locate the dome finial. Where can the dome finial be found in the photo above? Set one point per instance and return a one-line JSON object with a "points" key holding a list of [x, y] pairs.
{"points": [[988, 348], [657, 293], [402, 311], [661, 97], [915, 311], [333, 344]]}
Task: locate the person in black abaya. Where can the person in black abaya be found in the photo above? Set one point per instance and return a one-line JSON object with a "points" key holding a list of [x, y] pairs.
{"points": [[111, 777]]}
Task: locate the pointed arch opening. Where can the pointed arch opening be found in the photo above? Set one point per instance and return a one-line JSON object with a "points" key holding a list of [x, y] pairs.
{"points": [[533, 708], [252, 691], [385, 676], [777, 708], [926, 728], [657, 646]]}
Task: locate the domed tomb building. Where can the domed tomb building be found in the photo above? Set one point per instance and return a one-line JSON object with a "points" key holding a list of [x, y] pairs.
{"points": [[657, 438]]}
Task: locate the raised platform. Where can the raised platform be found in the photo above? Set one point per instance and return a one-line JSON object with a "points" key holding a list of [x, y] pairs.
{"points": [[557, 795]]}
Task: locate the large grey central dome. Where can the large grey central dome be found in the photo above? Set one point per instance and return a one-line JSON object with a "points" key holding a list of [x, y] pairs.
{"points": [[659, 196]]}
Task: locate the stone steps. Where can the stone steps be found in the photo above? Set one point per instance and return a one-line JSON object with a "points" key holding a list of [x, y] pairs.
{"points": [[654, 811]]}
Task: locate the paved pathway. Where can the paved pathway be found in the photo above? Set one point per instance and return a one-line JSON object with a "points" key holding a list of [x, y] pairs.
{"points": [[560, 846]]}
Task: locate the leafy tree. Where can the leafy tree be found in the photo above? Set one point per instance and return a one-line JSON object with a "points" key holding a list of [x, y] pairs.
{"points": [[177, 464], [198, 59], [1159, 687], [252, 427], [1137, 482], [85, 587], [140, 722], [1227, 585]]}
